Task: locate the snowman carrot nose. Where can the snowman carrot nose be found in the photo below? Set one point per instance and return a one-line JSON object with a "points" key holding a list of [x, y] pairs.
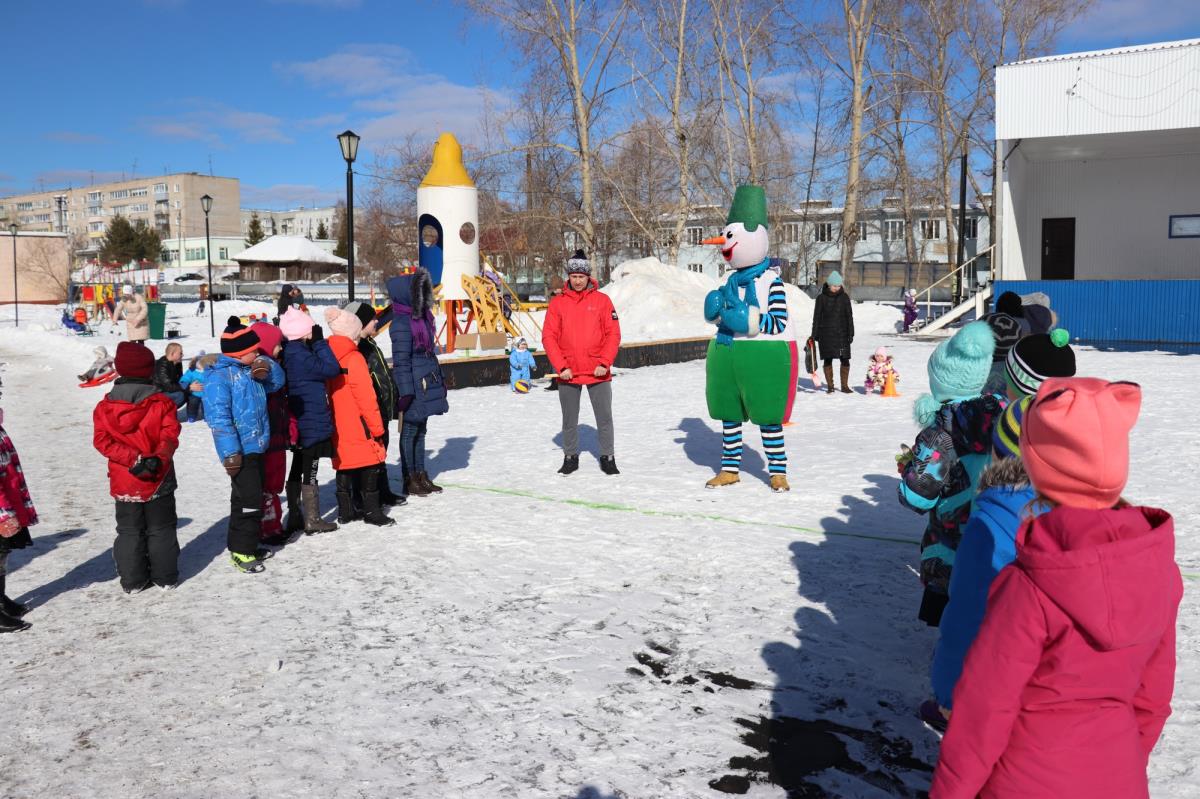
{"points": [[718, 240]]}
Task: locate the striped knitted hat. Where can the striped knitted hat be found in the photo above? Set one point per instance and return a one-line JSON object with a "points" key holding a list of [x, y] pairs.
{"points": [[1007, 332], [1037, 357], [237, 339], [1006, 437]]}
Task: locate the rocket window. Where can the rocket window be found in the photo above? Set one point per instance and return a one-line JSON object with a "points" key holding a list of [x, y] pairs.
{"points": [[429, 235], [467, 233]]}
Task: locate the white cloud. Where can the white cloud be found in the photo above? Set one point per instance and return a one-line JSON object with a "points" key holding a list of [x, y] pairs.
{"points": [[393, 98], [1118, 23], [288, 195], [207, 120]]}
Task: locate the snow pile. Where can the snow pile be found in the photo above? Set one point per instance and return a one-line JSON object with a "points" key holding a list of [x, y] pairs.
{"points": [[656, 301]]}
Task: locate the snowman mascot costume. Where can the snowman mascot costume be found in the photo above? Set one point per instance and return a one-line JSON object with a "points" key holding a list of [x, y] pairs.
{"points": [[749, 362]]}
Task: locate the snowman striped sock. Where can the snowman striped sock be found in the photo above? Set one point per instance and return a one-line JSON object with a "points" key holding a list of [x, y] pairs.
{"points": [[772, 438], [731, 446]]}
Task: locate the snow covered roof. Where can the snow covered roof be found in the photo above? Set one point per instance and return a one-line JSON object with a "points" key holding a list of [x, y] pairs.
{"points": [[287, 250], [1141, 48]]}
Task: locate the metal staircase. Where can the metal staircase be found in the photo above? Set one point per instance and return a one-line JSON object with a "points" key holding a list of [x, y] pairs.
{"points": [[975, 297]]}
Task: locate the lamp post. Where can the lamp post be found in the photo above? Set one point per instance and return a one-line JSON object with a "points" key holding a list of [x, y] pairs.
{"points": [[12, 229], [206, 204], [348, 139]]}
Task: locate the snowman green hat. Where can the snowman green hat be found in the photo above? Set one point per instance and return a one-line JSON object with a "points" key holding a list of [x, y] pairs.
{"points": [[749, 207]]}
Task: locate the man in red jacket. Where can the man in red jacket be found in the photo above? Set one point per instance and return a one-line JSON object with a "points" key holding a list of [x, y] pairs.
{"points": [[137, 431], [581, 336]]}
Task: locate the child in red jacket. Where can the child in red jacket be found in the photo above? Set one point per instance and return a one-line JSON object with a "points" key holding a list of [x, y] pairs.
{"points": [[137, 430], [1068, 684]]}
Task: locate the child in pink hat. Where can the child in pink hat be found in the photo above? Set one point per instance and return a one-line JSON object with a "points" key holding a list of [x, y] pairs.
{"points": [[1067, 687], [878, 369]]}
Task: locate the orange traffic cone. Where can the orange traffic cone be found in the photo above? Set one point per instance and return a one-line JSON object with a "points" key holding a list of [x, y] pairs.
{"points": [[889, 386]]}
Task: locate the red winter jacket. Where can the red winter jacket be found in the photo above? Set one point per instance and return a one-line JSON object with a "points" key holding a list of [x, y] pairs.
{"points": [[1067, 687], [135, 419], [581, 332]]}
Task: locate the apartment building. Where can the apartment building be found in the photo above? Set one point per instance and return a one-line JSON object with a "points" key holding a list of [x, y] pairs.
{"points": [[296, 222], [168, 203]]}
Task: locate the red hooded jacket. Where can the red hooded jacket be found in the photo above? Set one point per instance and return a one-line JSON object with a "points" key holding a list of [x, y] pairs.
{"points": [[356, 419], [581, 332], [1066, 689], [135, 419]]}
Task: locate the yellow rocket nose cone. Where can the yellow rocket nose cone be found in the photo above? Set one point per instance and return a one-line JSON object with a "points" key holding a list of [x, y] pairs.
{"points": [[447, 168]]}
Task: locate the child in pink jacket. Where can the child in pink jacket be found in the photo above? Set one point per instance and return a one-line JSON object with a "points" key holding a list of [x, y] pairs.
{"points": [[1067, 687]]}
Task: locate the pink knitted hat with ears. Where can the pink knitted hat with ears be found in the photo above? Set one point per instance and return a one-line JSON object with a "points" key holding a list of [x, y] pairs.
{"points": [[1075, 440], [344, 323], [295, 324]]}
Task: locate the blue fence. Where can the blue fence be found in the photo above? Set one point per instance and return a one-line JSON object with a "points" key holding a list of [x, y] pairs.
{"points": [[1150, 311]]}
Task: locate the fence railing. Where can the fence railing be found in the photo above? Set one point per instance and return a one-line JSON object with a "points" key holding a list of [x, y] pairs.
{"points": [[956, 274]]}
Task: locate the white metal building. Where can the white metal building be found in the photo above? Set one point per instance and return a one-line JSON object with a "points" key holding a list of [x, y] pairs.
{"points": [[1098, 159]]}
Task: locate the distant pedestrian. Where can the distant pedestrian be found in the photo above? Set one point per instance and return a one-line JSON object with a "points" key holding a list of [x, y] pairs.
{"points": [[136, 313], [910, 309], [833, 328], [17, 515], [168, 374], [290, 296], [520, 364], [582, 336]]}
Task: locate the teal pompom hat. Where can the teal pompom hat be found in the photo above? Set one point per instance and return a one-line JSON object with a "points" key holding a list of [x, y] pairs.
{"points": [[834, 279], [958, 369]]}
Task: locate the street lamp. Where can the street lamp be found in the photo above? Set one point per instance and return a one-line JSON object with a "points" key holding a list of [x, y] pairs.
{"points": [[349, 141], [12, 229], [206, 204]]}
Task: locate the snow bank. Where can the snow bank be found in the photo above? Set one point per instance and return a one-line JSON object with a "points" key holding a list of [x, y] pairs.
{"points": [[656, 301]]}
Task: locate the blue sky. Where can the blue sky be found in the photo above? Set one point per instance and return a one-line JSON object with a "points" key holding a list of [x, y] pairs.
{"points": [[263, 86]]}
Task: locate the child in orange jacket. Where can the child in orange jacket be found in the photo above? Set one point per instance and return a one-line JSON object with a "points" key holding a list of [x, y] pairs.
{"points": [[357, 425]]}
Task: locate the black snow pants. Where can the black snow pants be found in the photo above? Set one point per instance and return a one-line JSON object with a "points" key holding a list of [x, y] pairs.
{"points": [[246, 506], [146, 549]]}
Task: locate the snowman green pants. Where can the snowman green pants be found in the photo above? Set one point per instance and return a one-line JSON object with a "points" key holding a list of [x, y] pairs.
{"points": [[748, 381]]}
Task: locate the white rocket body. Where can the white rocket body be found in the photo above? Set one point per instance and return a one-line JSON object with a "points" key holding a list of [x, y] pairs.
{"points": [[448, 220]]}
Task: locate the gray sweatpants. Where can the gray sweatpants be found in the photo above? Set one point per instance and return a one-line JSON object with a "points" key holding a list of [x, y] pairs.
{"points": [[600, 395]]}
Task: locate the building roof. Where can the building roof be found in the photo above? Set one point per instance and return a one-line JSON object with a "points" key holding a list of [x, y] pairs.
{"points": [[1140, 48], [287, 250]]}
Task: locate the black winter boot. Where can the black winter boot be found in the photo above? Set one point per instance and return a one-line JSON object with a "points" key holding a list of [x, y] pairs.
{"points": [[295, 517], [372, 513], [11, 624], [570, 464], [430, 486], [344, 483], [386, 495], [829, 378], [310, 501], [7, 605], [608, 464]]}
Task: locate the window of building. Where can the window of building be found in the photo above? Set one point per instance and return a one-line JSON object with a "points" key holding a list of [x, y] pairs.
{"points": [[931, 228], [637, 241], [823, 231], [971, 229], [119, 194], [119, 210], [666, 237], [790, 232], [698, 268], [96, 227], [41, 217], [223, 253], [862, 230], [693, 235], [196, 254], [139, 208], [142, 192], [25, 206], [94, 196], [177, 203], [894, 230], [160, 188]]}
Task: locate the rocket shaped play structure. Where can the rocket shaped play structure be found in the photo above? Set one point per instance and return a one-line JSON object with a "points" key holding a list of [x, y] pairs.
{"points": [[448, 220]]}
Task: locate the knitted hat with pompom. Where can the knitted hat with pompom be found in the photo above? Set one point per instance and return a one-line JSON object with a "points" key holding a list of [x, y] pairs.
{"points": [[958, 370]]}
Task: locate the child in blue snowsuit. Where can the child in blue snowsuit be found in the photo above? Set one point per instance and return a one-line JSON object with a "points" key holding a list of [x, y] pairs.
{"points": [[521, 363]]}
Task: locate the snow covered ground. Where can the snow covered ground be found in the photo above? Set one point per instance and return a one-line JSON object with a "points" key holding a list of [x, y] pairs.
{"points": [[523, 634]]}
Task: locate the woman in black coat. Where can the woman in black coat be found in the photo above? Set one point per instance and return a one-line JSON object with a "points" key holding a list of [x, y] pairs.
{"points": [[833, 329]]}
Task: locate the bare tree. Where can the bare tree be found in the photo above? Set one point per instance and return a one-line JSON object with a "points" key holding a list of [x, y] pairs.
{"points": [[48, 265], [860, 22], [580, 39]]}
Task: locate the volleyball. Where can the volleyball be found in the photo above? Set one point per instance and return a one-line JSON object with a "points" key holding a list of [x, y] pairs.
{"points": [[521, 386]]}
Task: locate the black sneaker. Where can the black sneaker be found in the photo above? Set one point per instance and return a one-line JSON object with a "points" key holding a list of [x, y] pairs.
{"points": [[608, 465], [570, 464]]}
